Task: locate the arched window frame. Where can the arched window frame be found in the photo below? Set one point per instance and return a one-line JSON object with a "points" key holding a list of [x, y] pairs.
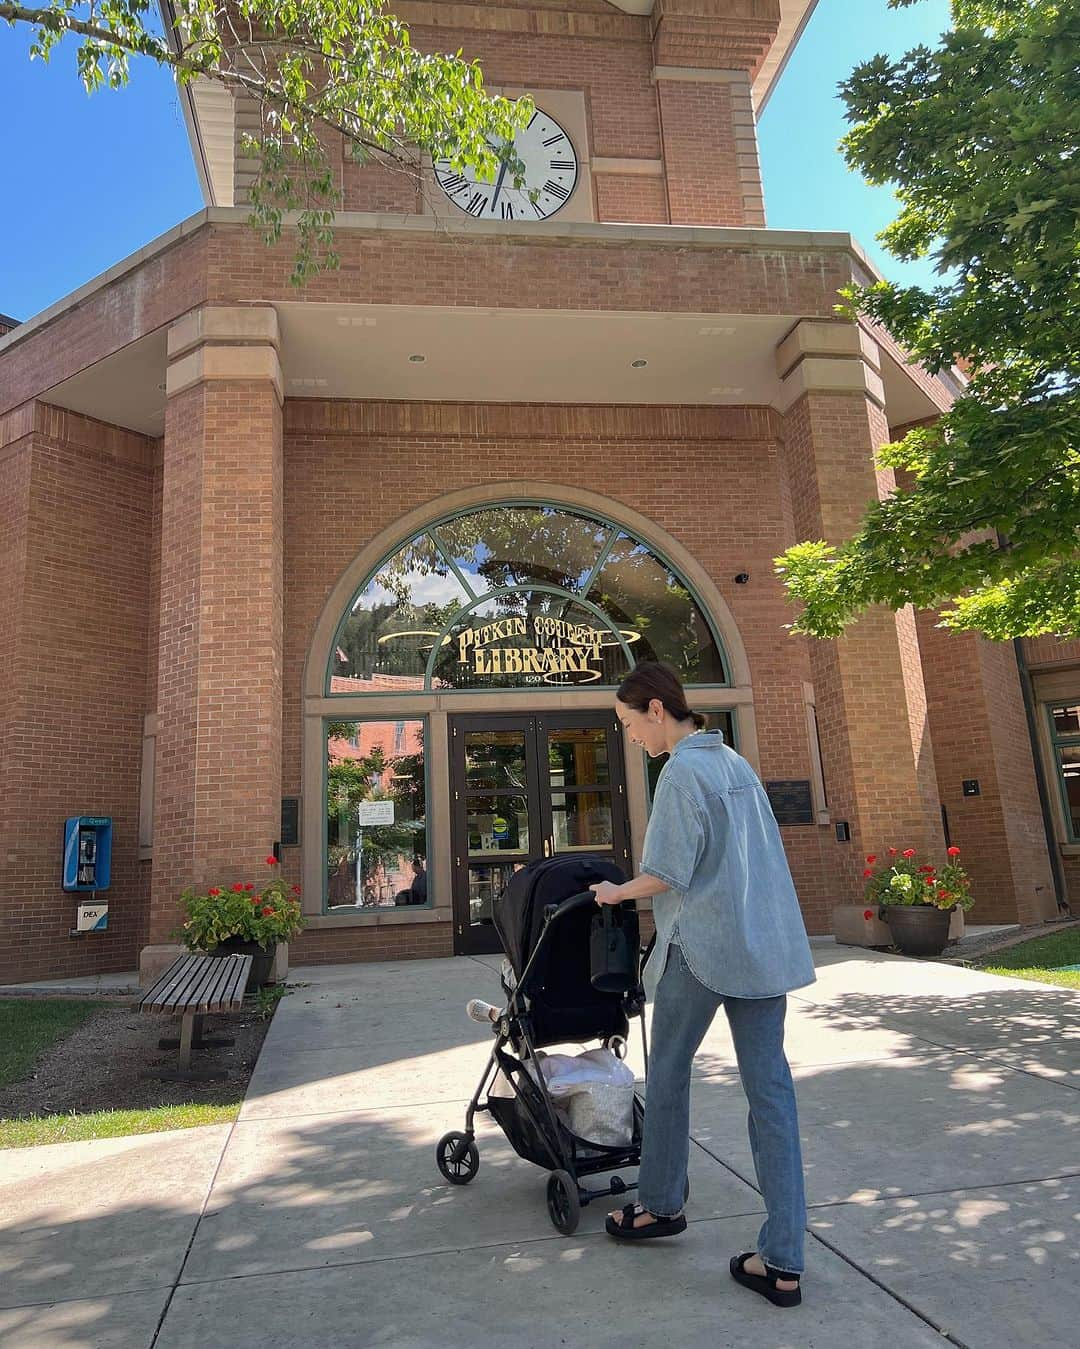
{"points": [[432, 532]]}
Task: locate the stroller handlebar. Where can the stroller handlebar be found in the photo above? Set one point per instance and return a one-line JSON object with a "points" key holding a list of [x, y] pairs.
{"points": [[553, 911]]}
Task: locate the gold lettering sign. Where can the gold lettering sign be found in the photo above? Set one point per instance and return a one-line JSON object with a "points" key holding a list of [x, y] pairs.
{"points": [[561, 652]]}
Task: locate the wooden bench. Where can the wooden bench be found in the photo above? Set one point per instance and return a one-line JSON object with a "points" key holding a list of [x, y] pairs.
{"points": [[191, 987]]}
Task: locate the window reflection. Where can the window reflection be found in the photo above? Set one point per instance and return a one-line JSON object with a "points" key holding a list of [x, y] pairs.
{"points": [[450, 587], [376, 815]]}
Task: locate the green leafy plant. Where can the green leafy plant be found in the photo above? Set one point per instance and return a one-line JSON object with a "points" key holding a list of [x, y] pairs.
{"points": [[901, 879], [265, 914], [979, 515], [267, 999], [318, 75]]}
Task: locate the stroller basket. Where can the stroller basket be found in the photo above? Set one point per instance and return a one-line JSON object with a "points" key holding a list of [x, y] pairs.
{"points": [[524, 1120]]}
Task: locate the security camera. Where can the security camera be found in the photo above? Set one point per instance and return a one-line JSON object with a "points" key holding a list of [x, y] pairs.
{"points": [[742, 578]]}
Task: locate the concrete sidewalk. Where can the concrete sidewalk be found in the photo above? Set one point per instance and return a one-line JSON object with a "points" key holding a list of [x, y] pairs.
{"points": [[940, 1112]]}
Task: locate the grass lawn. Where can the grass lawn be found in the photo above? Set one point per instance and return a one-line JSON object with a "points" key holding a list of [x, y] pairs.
{"points": [[27, 1133], [30, 1026], [1041, 959]]}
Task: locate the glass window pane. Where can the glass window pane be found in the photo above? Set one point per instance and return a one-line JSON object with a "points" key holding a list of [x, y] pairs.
{"points": [[578, 757], [495, 760], [376, 815], [497, 824], [486, 882], [647, 601], [530, 640], [385, 642], [1069, 767], [581, 821], [1066, 719], [506, 546]]}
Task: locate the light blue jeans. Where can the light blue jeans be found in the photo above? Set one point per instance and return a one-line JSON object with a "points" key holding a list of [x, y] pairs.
{"points": [[683, 1011]]}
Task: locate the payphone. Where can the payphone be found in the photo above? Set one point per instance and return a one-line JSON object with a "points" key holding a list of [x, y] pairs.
{"points": [[87, 852]]}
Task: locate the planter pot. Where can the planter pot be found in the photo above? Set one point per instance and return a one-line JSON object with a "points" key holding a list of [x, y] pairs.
{"points": [[261, 965], [918, 929]]}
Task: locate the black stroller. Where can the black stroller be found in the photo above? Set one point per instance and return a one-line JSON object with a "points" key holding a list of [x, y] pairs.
{"points": [[577, 972]]}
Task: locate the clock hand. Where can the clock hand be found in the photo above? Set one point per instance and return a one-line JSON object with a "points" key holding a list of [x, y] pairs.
{"points": [[498, 184]]}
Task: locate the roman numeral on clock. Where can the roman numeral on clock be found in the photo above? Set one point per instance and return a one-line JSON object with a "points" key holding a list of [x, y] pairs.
{"points": [[556, 190], [507, 210], [557, 164], [476, 203], [553, 140], [454, 183]]}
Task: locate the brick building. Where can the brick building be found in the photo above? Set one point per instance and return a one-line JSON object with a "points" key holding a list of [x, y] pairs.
{"points": [[351, 570]]}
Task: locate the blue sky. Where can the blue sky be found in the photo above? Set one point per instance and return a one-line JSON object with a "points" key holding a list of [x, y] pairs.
{"points": [[89, 180]]}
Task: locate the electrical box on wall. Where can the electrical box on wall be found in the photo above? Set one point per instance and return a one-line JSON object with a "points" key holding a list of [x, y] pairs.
{"points": [[87, 852]]}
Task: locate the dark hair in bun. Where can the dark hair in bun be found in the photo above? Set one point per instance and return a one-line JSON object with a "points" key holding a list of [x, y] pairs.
{"points": [[656, 679]]}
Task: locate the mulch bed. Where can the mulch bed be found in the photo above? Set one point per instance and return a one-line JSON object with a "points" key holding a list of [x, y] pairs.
{"points": [[97, 1067]]}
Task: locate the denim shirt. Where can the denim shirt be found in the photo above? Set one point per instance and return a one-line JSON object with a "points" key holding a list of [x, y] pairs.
{"points": [[731, 906]]}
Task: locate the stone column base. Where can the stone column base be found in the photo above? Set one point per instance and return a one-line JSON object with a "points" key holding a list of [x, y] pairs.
{"points": [[154, 961], [851, 926]]}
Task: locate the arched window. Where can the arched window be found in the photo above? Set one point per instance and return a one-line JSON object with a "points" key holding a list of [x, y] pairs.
{"points": [[520, 595]]}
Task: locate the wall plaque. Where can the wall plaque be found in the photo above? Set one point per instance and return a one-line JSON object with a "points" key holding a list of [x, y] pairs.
{"points": [[290, 821], [791, 800]]}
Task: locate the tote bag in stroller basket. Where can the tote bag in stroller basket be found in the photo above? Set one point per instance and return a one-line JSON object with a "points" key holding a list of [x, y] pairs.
{"points": [[523, 1115]]}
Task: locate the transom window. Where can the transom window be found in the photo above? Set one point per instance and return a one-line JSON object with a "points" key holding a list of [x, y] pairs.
{"points": [[1065, 737], [520, 596]]}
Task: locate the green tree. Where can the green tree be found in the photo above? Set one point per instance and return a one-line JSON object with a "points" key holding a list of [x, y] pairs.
{"points": [[314, 70], [981, 138]]}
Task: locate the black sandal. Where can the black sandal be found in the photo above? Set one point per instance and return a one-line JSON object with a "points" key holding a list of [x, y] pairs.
{"points": [[765, 1284], [659, 1227]]}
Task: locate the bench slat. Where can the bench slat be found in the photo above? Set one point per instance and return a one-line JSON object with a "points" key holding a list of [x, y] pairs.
{"points": [[177, 975], [177, 997], [212, 993], [199, 984], [163, 981]]}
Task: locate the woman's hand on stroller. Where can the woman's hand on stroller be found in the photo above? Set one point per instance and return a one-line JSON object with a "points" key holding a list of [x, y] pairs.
{"points": [[605, 892]]}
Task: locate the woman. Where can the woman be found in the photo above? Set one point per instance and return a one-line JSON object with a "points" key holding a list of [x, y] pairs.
{"points": [[728, 933]]}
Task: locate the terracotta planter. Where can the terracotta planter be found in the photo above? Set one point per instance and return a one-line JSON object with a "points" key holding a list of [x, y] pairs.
{"points": [[918, 929], [261, 965]]}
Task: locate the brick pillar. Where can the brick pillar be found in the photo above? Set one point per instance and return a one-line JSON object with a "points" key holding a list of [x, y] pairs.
{"points": [[704, 59], [871, 701], [218, 756], [981, 735]]}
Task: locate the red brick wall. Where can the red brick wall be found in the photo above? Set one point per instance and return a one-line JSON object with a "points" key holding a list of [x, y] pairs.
{"points": [[631, 198], [80, 497], [877, 755], [218, 785], [699, 154], [728, 466], [980, 731]]}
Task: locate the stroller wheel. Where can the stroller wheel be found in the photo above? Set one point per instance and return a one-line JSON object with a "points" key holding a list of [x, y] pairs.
{"points": [[563, 1201], [457, 1157]]}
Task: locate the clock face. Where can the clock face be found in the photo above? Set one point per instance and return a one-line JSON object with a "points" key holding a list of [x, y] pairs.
{"points": [[551, 170]]}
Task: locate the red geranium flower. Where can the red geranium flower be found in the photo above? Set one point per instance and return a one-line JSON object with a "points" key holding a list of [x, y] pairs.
{"points": [[954, 852], [892, 852], [942, 894], [268, 912], [296, 889], [255, 899], [909, 852], [866, 873], [868, 914], [271, 861], [872, 857], [238, 889], [214, 891], [249, 886]]}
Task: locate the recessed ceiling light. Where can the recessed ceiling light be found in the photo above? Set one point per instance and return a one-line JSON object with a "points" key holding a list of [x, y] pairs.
{"points": [[417, 359], [716, 332], [637, 365]]}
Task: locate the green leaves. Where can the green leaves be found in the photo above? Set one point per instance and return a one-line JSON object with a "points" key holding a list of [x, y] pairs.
{"points": [[313, 71], [981, 138]]}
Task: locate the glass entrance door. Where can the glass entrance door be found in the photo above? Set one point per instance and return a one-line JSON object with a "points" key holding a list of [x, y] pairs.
{"points": [[526, 787]]}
